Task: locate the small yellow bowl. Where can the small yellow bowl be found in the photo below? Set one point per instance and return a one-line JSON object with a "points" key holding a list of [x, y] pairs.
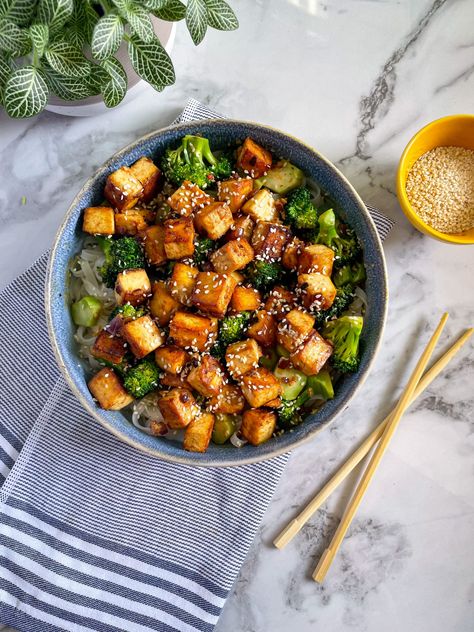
{"points": [[456, 130]]}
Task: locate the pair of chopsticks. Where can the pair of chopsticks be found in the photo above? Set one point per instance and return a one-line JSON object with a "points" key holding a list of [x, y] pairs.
{"points": [[381, 435]]}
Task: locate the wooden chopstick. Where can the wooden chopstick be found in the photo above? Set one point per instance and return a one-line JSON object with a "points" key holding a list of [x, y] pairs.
{"points": [[403, 403], [295, 525]]}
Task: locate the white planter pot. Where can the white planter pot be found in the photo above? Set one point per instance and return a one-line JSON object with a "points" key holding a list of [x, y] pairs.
{"points": [[165, 31]]}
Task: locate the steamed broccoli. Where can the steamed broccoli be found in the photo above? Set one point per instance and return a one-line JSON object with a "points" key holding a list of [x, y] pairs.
{"points": [[299, 210], [289, 413], [344, 333], [128, 311], [202, 248], [120, 254], [344, 298], [142, 378], [263, 274], [231, 329], [346, 248], [193, 160], [351, 274]]}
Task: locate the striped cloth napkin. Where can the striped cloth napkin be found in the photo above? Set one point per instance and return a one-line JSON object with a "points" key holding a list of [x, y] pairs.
{"points": [[95, 535]]}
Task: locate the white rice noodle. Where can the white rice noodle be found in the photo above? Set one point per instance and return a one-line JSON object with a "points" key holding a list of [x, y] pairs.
{"points": [[236, 441], [359, 304], [144, 411]]}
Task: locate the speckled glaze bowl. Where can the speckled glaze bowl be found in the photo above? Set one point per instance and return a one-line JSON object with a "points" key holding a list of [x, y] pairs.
{"points": [[221, 134]]}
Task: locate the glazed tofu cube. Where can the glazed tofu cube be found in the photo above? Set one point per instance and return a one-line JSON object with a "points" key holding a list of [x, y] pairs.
{"points": [[178, 407], [234, 255], [158, 428], [188, 199], [148, 174], [162, 304], [253, 159], [212, 292], [316, 258], [109, 348], [171, 358], [214, 220], [245, 299], [198, 434], [108, 390], [269, 239], [258, 425], [154, 245], [229, 400], [179, 238], [174, 381], [242, 226], [182, 282], [317, 290], [274, 403], [207, 378], [291, 253], [99, 220], [242, 356], [261, 207], [312, 354], [123, 189], [142, 335], [132, 286], [260, 386], [234, 192], [280, 301], [264, 330], [191, 331], [294, 328]]}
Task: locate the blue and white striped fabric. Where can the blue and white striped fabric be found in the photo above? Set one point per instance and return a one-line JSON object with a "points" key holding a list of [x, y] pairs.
{"points": [[96, 536]]}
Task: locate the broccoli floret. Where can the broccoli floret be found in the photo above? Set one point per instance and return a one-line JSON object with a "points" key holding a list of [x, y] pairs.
{"points": [[202, 248], [300, 211], [263, 274], [289, 413], [350, 275], [142, 378], [128, 311], [344, 333], [120, 254], [344, 298], [346, 248], [231, 329], [193, 160]]}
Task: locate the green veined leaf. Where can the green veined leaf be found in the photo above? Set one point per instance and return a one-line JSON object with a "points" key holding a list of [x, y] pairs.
{"points": [[13, 39], [18, 11], [39, 34], [5, 72], [151, 62], [76, 31], [220, 16], [55, 13], [138, 19], [170, 10], [196, 19], [76, 37], [26, 92], [68, 88], [107, 36], [91, 18], [67, 60], [116, 88], [97, 79]]}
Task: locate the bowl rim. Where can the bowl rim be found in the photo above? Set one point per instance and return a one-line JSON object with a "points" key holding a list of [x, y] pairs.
{"points": [[183, 458], [407, 208]]}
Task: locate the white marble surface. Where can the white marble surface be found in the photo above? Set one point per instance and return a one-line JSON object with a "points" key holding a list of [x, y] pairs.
{"points": [[355, 79]]}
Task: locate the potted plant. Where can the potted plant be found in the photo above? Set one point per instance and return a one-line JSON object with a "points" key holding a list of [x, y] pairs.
{"points": [[76, 51]]}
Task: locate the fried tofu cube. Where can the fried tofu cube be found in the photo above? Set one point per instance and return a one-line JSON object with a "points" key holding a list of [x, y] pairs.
{"points": [[109, 348], [234, 192], [148, 174], [242, 356], [188, 199], [229, 400], [261, 207], [212, 293], [171, 358], [153, 239], [207, 378], [280, 301], [269, 239], [179, 238], [294, 328], [274, 403], [162, 304], [242, 226], [133, 221], [182, 282], [316, 258], [142, 335], [108, 390], [258, 426], [178, 407], [317, 290], [291, 253], [197, 435], [252, 158], [260, 386], [123, 189], [193, 331], [264, 330], [312, 354], [174, 381], [214, 220], [245, 299], [234, 255], [132, 286], [99, 220]]}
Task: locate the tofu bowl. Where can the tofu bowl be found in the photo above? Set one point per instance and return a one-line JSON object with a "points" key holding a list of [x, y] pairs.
{"points": [[89, 213]]}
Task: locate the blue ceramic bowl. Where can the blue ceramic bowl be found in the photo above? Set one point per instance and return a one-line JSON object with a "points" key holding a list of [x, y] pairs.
{"points": [[68, 243]]}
